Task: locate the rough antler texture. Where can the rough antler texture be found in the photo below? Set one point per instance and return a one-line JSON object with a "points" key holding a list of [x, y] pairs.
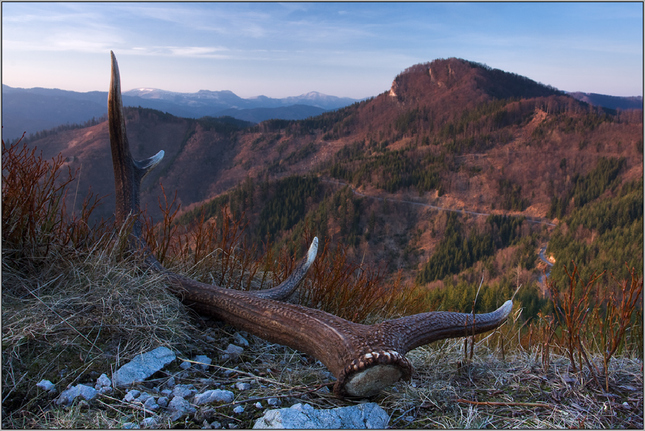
{"points": [[364, 358]]}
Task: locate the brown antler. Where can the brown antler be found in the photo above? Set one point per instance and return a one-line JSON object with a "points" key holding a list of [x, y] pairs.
{"points": [[364, 358]]}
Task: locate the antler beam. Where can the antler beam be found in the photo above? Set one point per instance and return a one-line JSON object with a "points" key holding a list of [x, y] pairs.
{"points": [[363, 358]]}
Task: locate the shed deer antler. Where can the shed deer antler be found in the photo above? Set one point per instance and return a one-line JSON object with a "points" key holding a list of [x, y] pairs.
{"points": [[363, 358]]}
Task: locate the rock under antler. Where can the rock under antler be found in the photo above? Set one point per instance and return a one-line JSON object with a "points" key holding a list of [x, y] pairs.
{"points": [[363, 358]]}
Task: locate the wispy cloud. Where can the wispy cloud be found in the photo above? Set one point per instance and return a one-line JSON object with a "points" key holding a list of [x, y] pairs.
{"points": [[279, 44]]}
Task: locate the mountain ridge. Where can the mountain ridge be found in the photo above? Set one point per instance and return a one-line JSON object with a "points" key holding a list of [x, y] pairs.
{"points": [[424, 114], [37, 109]]}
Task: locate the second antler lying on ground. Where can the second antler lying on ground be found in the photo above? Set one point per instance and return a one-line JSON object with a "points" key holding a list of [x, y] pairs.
{"points": [[364, 358]]}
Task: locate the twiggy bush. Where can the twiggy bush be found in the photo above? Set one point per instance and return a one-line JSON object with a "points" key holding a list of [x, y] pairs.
{"points": [[35, 219], [619, 306], [217, 251], [591, 315], [348, 289], [572, 307]]}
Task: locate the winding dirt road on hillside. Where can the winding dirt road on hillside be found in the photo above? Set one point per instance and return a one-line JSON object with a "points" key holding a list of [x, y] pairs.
{"points": [[536, 220]]}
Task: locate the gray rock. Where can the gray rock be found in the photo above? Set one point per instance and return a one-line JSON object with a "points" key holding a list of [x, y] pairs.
{"points": [[170, 383], [68, 396], [143, 366], [242, 386], [216, 425], [150, 422], [299, 416], [179, 407], [144, 397], [239, 339], [151, 404], [102, 382], [132, 395], [130, 426], [258, 405], [233, 352], [46, 385], [274, 402], [204, 362], [185, 365], [214, 396], [163, 401], [238, 410], [105, 390], [184, 391]]}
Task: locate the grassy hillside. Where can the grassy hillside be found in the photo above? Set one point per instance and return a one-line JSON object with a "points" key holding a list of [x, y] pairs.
{"points": [[75, 306]]}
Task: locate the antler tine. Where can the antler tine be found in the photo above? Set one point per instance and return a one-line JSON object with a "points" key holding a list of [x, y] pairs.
{"points": [[128, 174], [363, 358]]}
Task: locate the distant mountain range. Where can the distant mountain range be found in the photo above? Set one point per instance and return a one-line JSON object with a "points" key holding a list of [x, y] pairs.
{"points": [[36, 109], [612, 102]]}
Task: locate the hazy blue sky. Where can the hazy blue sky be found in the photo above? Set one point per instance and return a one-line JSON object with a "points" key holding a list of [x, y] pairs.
{"points": [[341, 49]]}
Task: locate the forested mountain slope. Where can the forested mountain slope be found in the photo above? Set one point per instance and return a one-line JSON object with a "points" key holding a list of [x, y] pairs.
{"points": [[379, 175]]}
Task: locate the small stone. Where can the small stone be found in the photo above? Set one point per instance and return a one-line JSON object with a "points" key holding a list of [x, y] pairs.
{"points": [[162, 402], [232, 426], [150, 422], [102, 382], [130, 426], [239, 339], [143, 366], [299, 416], [204, 362], [242, 386], [238, 410], [233, 352], [209, 339], [105, 390], [144, 397], [166, 392], [274, 402], [46, 385], [214, 395], [150, 404], [184, 365], [206, 425], [131, 395], [68, 396], [170, 383], [179, 407], [258, 405], [216, 425], [184, 391]]}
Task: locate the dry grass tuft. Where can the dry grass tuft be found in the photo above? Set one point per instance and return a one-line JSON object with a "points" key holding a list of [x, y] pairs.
{"points": [[88, 316], [514, 393]]}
